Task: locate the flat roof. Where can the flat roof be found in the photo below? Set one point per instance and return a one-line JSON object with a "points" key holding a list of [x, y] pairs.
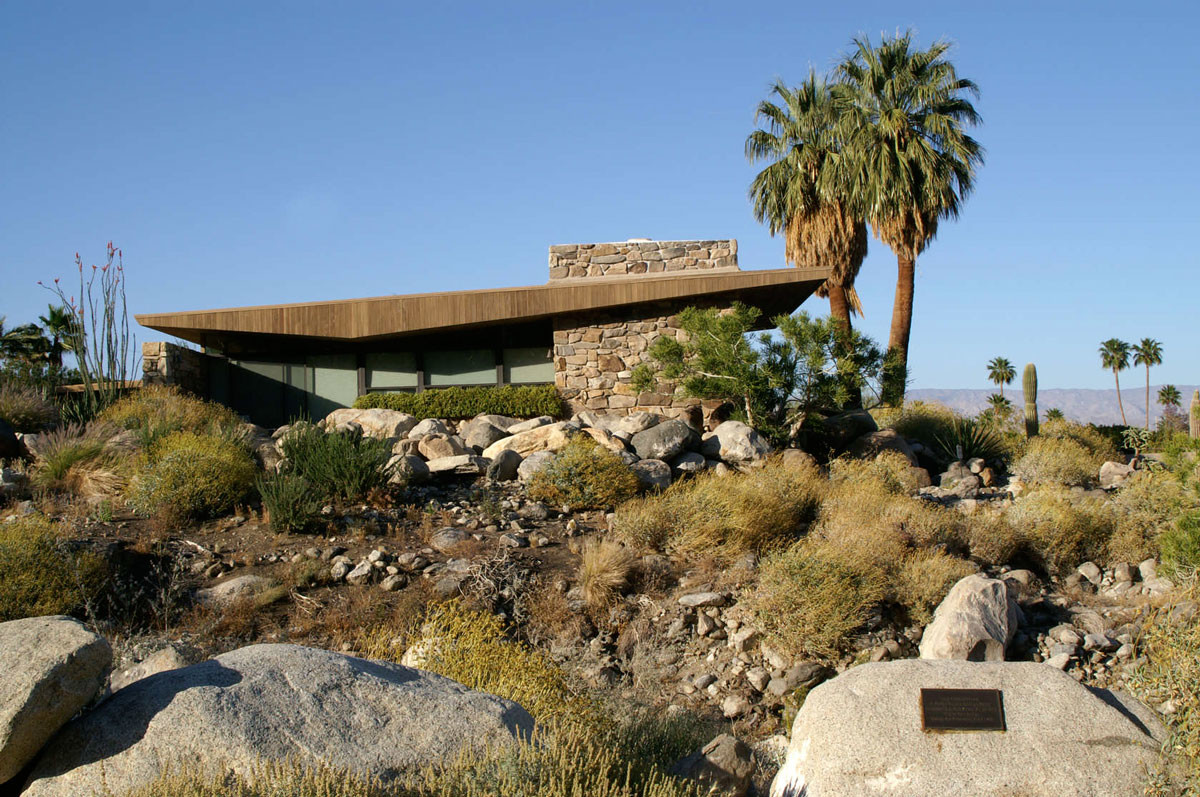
{"points": [[774, 291]]}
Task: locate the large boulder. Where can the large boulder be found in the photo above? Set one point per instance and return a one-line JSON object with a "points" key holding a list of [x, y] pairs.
{"points": [[374, 422], [844, 428], [734, 441], [665, 440], [532, 423], [269, 703], [548, 437], [428, 426], [407, 469], [503, 468], [532, 464], [437, 446], [232, 590], [861, 734], [629, 425], [480, 432], [53, 666], [725, 765], [873, 444], [974, 622], [1114, 473], [463, 465], [652, 474]]}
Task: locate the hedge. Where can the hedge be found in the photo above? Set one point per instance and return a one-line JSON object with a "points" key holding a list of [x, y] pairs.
{"points": [[520, 401]]}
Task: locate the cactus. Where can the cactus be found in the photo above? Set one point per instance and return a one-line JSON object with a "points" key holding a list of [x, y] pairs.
{"points": [[1194, 415], [1029, 383]]}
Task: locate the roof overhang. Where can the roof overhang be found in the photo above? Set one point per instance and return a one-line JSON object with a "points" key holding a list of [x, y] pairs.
{"points": [[774, 291]]}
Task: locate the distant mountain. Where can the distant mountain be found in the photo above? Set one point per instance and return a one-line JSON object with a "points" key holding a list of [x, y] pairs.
{"points": [[1086, 406]]}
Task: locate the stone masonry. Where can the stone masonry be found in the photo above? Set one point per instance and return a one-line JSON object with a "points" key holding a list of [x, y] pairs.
{"points": [[640, 257], [166, 363]]}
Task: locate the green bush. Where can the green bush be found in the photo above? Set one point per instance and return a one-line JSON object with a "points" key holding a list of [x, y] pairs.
{"points": [[1063, 530], [41, 573], [24, 408], [1057, 460], [584, 475], [975, 439], [339, 465], [1099, 443], [1180, 546], [919, 420], [188, 475], [1145, 506], [156, 411], [519, 401], [290, 501]]}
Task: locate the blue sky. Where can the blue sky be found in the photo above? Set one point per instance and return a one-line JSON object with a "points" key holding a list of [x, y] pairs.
{"points": [[253, 153]]}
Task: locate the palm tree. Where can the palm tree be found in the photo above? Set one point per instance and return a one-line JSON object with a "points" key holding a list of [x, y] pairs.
{"points": [[25, 343], [1114, 354], [59, 324], [1168, 396], [1001, 372], [1148, 352], [797, 193], [1054, 414], [909, 161]]}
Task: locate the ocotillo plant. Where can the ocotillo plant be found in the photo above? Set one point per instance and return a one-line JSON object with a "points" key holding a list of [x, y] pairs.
{"points": [[1029, 383], [1194, 415]]}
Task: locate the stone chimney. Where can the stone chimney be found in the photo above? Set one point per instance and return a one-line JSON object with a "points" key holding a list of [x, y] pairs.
{"points": [[640, 256]]}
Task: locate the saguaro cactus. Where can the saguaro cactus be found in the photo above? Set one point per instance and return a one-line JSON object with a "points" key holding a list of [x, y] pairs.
{"points": [[1029, 383], [1194, 415]]}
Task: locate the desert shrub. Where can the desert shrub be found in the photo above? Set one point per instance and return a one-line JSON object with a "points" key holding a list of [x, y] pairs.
{"points": [[25, 408], [290, 501], [339, 465], [42, 573], [994, 541], [1180, 547], [1145, 506], [189, 475], [155, 411], [726, 516], [604, 570], [925, 578], [975, 438], [1102, 446], [919, 420], [889, 470], [1056, 460], [74, 459], [519, 401], [584, 475], [1063, 530], [808, 600]]}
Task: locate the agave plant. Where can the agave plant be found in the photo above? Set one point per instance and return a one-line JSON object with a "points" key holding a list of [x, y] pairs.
{"points": [[967, 438]]}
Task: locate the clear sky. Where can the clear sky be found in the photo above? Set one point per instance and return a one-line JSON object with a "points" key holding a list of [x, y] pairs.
{"points": [[256, 153]]}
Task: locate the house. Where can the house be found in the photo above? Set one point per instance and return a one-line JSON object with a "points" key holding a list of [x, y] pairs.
{"points": [[584, 331]]}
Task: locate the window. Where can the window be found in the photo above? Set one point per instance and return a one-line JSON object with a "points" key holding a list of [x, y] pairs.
{"points": [[467, 367], [527, 366], [391, 370]]}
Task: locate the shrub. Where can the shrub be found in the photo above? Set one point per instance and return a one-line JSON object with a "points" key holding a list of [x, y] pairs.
{"points": [[189, 475], [808, 601], [1180, 545], [975, 438], [919, 420], [520, 401], [584, 475], [73, 459], [156, 411], [41, 573], [604, 571], [1056, 460], [994, 541], [1063, 530], [290, 501], [339, 465], [925, 578], [889, 470], [1145, 507], [1099, 444], [24, 408], [726, 516]]}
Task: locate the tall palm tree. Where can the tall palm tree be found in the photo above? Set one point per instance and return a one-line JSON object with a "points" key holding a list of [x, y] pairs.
{"points": [[1168, 396], [798, 193], [59, 324], [1114, 354], [1001, 372], [904, 114], [1148, 352], [1054, 414]]}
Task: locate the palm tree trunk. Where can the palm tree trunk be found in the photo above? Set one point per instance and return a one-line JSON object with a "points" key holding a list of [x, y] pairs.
{"points": [[839, 311], [901, 327], [1121, 404], [1147, 397]]}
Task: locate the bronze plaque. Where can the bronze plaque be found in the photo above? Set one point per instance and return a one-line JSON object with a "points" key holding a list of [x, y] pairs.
{"points": [[962, 710]]}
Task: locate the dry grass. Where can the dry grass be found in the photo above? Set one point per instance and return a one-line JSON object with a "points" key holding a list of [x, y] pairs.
{"points": [[42, 572], [1099, 446], [156, 411], [993, 540], [1063, 530], [604, 570], [724, 517], [1057, 460], [919, 420], [889, 471], [925, 578], [24, 408], [1145, 507], [73, 459]]}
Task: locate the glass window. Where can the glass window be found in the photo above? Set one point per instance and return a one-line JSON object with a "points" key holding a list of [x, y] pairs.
{"points": [[391, 369], [466, 367], [525, 366], [335, 383]]}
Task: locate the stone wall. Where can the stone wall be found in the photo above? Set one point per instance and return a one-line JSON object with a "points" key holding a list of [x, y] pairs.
{"points": [[166, 363], [640, 257]]}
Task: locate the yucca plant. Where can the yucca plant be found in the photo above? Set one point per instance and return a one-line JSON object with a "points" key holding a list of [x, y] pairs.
{"points": [[967, 439]]}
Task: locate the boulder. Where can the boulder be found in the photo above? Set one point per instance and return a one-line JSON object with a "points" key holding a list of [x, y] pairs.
{"points": [[437, 446], [53, 666], [605, 439], [1113, 474], [652, 474], [532, 464], [169, 658], [374, 422], [463, 465], [861, 734], [532, 423], [665, 440], [504, 465], [873, 444], [448, 539], [689, 462], [548, 437], [844, 428], [734, 441], [797, 458], [233, 589], [428, 426], [408, 469], [271, 703], [480, 433], [502, 422], [725, 765], [629, 425], [974, 622]]}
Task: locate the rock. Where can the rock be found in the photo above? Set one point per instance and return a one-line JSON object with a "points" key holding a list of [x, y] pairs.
{"points": [[270, 703], [532, 423], [548, 437], [393, 582], [697, 600], [440, 446], [405, 447], [233, 589], [447, 539], [514, 540], [1091, 571], [976, 465], [480, 433], [501, 422], [920, 477], [734, 441], [53, 666], [1148, 569], [408, 469], [725, 765], [426, 427], [735, 706], [605, 439], [689, 462], [532, 464], [1113, 474], [873, 444], [504, 466], [652, 474], [463, 465], [665, 440], [634, 423], [843, 429], [758, 678], [860, 734], [169, 658], [340, 570], [975, 622], [1059, 661], [796, 457], [988, 477], [361, 573], [374, 422], [1123, 571]]}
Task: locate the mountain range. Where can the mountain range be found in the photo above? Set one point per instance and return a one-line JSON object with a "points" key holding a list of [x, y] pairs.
{"points": [[1086, 406]]}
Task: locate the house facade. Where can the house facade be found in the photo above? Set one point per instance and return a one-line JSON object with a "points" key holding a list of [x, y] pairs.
{"points": [[584, 331]]}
